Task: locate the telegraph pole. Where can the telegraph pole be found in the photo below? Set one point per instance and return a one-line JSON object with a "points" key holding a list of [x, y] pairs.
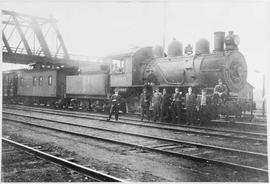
{"points": [[164, 25]]}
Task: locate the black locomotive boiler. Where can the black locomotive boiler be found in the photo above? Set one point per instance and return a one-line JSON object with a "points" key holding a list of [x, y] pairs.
{"points": [[201, 69]]}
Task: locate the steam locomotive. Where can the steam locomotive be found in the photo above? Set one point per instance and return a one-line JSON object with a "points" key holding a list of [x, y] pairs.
{"points": [[131, 71]]}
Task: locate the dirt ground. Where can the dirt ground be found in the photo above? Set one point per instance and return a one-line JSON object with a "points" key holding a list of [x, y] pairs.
{"points": [[124, 162], [19, 166]]}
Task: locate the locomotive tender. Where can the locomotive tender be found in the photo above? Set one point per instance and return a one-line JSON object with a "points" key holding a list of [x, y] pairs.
{"points": [[130, 71]]}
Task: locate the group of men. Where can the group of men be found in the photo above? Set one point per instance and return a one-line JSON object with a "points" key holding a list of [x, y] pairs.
{"points": [[166, 107]]}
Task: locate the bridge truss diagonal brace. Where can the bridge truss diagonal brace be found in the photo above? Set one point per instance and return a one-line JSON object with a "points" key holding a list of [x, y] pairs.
{"points": [[41, 38], [6, 43], [19, 29], [60, 39]]}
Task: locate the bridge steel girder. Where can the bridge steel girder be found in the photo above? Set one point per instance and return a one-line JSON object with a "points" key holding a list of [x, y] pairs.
{"points": [[19, 29], [28, 59], [20, 21], [41, 38], [6, 43], [59, 36]]}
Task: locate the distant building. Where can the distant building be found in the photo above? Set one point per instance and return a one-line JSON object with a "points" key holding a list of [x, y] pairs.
{"points": [[246, 92]]}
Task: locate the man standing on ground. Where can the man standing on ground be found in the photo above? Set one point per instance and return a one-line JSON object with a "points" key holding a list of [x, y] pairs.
{"points": [[165, 103], [176, 106], [190, 103], [145, 104], [115, 104], [203, 103], [156, 99]]}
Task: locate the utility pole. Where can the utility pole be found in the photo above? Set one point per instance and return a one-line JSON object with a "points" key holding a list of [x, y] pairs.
{"points": [[164, 25]]}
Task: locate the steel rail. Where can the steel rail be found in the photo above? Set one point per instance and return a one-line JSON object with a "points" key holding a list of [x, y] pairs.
{"points": [[91, 116], [76, 167], [150, 137], [182, 155], [136, 120], [236, 122]]}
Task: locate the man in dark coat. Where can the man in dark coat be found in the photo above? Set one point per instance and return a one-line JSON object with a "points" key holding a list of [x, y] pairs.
{"points": [[156, 99], [176, 106], [145, 103], [115, 104], [203, 103], [165, 103], [220, 92], [190, 103]]}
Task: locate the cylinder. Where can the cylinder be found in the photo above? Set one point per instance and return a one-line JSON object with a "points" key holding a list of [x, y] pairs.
{"points": [[175, 48], [219, 41], [202, 46]]}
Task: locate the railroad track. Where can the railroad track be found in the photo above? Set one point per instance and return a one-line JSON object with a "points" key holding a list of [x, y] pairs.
{"points": [[236, 159], [137, 117], [233, 135], [247, 146], [95, 175]]}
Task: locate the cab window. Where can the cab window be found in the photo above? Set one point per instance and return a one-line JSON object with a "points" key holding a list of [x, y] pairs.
{"points": [[6, 78], [40, 81], [118, 66], [50, 80], [34, 81]]}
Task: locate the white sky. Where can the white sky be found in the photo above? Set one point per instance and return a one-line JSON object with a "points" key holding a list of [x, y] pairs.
{"points": [[98, 29]]}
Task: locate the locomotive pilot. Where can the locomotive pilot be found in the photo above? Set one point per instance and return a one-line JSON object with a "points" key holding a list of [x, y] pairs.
{"points": [[220, 92], [190, 103], [176, 106], [165, 103], [145, 104], [156, 99], [203, 102], [115, 104]]}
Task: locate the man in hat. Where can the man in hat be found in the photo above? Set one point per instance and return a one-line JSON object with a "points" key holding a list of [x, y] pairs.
{"points": [[190, 103], [176, 106], [165, 103], [145, 104], [156, 99], [220, 92], [203, 102], [115, 104]]}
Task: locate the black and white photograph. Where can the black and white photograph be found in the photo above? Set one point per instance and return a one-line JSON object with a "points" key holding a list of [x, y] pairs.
{"points": [[134, 91]]}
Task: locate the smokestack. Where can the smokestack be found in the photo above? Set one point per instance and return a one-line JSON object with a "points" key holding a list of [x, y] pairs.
{"points": [[219, 41]]}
